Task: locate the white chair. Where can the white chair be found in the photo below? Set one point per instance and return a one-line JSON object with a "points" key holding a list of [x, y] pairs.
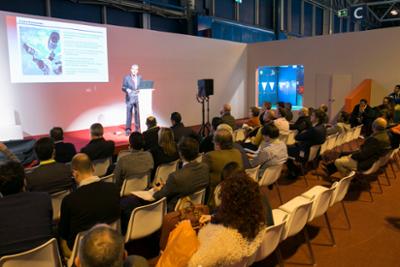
{"points": [[291, 138], [164, 170], [271, 176], [56, 200], [313, 154], [101, 166], [340, 141], [75, 248], [296, 212], [253, 172], [108, 179], [196, 198], [371, 171], [45, 255], [136, 183], [331, 140], [146, 220]]}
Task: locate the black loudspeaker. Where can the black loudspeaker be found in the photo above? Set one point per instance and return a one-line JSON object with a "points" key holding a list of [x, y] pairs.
{"points": [[205, 87]]}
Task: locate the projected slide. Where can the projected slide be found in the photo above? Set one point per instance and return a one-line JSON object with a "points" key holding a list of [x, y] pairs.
{"points": [[50, 51]]}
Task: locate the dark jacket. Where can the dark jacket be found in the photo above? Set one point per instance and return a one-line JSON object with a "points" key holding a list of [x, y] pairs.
{"points": [[180, 130], [374, 147], [301, 124], [99, 149], [64, 152], [313, 136], [229, 119], [151, 138], [192, 177], [357, 117]]}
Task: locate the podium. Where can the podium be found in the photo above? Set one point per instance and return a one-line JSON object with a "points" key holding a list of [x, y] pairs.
{"points": [[145, 102]]}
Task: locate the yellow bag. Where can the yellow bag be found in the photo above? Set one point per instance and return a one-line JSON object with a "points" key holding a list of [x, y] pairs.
{"points": [[182, 244]]}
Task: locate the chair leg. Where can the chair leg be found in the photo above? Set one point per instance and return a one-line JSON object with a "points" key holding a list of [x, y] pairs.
{"points": [[304, 174], [346, 215], [380, 185], [279, 192], [306, 236], [330, 229], [279, 257], [387, 176], [391, 166]]}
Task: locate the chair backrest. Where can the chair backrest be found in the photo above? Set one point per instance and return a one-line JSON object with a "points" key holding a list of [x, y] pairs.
{"points": [[313, 152], [271, 240], [253, 172], [385, 159], [164, 170], [45, 255], [56, 200], [108, 179], [196, 198], [239, 135], [331, 140], [340, 188], [137, 183], [297, 219], [324, 147], [340, 139], [349, 135], [101, 166], [75, 248], [271, 175], [290, 140], [146, 220], [357, 132], [320, 203]]}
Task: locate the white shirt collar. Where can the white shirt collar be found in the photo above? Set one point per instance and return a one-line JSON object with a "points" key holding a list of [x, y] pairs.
{"points": [[89, 180]]}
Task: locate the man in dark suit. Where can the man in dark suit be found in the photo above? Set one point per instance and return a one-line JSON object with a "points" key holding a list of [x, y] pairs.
{"points": [[362, 114], [130, 86], [64, 151], [50, 176], [179, 129], [93, 202], [151, 134], [193, 176], [314, 136], [26, 217], [98, 147], [303, 122]]}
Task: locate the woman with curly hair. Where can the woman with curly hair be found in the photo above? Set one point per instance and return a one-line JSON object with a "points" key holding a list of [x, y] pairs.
{"points": [[237, 228]]}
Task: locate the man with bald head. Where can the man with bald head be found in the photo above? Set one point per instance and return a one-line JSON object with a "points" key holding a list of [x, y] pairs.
{"points": [[303, 122], [93, 202], [227, 117], [374, 147]]}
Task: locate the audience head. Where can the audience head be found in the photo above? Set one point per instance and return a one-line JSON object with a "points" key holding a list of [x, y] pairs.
{"points": [[151, 122], [323, 108], [223, 139], [82, 167], [12, 176], [96, 130], [386, 101], [230, 169], [225, 126], [166, 141], [267, 105], [101, 247], [215, 122], [363, 103], [281, 113], [136, 141], [188, 148], [44, 148], [318, 116], [304, 112], [226, 108], [397, 89], [288, 106], [57, 134], [344, 117], [280, 104], [269, 115], [241, 207], [255, 111], [176, 118], [379, 125], [270, 132]]}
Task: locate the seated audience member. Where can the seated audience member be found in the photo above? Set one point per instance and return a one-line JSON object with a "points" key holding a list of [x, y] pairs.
{"points": [[227, 117], [395, 96], [151, 134], [254, 120], [385, 109], [303, 122], [50, 176], [281, 123], [217, 159], [192, 177], [324, 109], [245, 159], [266, 106], [342, 125], [26, 217], [269, 117], [93, 202], [7, 153], [289, 113], [98, 147], [374, 147], [179, 128], [362, 114], [236, 229], [316, 135], [102, 246], [272, 152], [64, 151], [207, 143], [166, 150], [135, 163]]}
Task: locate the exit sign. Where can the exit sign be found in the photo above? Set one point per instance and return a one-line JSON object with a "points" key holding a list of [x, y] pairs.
{"points": [[343, 13]]}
